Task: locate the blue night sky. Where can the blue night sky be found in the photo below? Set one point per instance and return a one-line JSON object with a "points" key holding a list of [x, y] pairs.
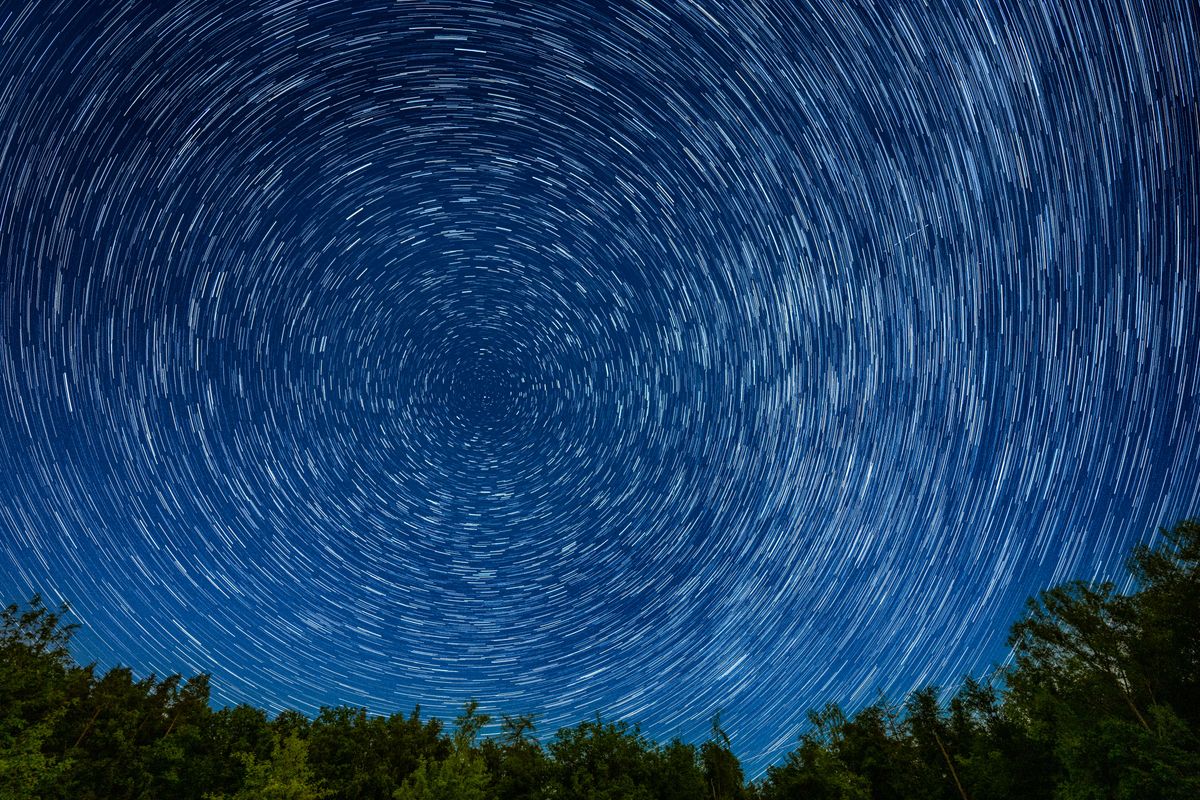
{"points": [[648, 358]]}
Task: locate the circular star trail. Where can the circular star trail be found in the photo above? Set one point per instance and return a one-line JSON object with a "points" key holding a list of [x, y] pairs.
{"points": [[644, 358]]}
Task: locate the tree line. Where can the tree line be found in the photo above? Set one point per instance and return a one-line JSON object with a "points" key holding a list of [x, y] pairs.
{"points": [[1100, 700]]}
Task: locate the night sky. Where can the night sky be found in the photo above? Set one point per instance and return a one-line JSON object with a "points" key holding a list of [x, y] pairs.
{"points": [[645, 358]]}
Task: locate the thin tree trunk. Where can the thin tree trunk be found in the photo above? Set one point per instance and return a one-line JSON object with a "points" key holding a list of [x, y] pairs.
{"points": [[1137, 713], [950, 764], [171, 727], [87, 727]]}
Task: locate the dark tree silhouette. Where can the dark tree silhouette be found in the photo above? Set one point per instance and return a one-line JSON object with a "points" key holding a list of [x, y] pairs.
{"points": [[1101, 700]]}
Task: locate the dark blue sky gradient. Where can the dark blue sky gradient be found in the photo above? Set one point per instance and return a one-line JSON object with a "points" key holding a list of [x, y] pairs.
{"points": [[643, 358]]}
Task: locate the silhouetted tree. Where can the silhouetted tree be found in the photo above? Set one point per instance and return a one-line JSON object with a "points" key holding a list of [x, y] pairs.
{"points": [[1097, 674], [516, 761], [460, 776], [1101, 700], [284, 776], [722, 771]]}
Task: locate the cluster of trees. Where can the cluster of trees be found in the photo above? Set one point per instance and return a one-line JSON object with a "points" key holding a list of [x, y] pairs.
{"points": [[1101, 700]]}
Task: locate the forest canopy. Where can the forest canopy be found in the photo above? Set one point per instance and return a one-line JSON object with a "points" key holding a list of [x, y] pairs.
{"points": [[1101, 699]]}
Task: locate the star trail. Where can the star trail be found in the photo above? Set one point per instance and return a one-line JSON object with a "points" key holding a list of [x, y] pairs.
{"points": [[648, 358]]}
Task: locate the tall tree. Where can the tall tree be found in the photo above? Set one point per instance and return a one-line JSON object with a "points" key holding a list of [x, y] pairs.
{"points": [[36, 675], [286, 775], [815, 770], [461, 776], [1098, 674], [722, 770], [35, 662], [516, 761], [599, 760]]}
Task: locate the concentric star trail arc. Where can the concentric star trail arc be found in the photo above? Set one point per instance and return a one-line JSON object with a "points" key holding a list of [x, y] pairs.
{"points": [[648, 358]]}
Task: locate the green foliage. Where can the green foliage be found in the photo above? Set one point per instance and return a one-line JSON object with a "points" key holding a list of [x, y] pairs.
{"points": [[1110, 683], [461, 776], [25, 769], [599, 760], [35, 664], [515, 760], [284, 776], [36, 673], [1101, 701], [1167, 607], [364, 757], [722, 771], [128, 738], [816, 770], [679, 774], [215, 754]]}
